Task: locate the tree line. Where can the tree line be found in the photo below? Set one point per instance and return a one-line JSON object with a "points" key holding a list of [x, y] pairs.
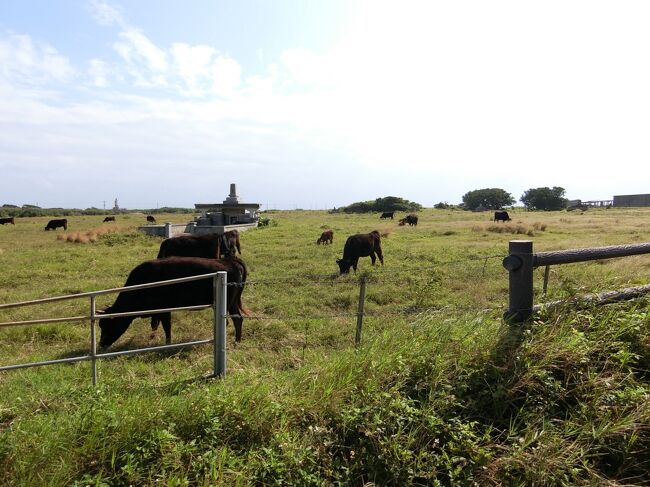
{"points": [[544, 198], [24, 211]]}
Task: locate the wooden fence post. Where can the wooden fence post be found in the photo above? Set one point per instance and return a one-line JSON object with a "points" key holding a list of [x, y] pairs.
{"points": [[520, 267]]}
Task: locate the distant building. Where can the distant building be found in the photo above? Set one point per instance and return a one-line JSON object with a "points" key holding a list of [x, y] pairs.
{"points": [[632, 200], [231, 212], [217, 218]]}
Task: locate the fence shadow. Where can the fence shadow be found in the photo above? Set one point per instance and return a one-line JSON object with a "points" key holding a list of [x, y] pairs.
{"points": [[131, 344]]}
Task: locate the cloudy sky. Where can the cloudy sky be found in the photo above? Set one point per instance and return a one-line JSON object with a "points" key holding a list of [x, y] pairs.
{"points": [[319, 103]]}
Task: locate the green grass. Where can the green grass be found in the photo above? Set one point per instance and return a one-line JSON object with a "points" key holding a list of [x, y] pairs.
{"points": [[440, 393]]}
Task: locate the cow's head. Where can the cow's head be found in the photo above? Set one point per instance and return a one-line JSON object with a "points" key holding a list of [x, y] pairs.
{"points": [[344, 265], [112, 328]]}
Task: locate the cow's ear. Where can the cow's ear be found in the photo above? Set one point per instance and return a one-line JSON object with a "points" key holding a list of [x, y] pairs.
{"points": [[338, 261]]}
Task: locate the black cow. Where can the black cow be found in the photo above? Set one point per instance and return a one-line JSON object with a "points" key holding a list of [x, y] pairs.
{"points": [[387, 214], [326, 237], [360, 245], [109, 219], [151, 219], [192, 293], [4, 221], [412, 220], [501, 216], [231, 237], [54, 224], [208, 246]]}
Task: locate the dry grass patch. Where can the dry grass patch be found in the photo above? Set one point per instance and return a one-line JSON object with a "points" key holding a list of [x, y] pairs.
{"points": [[89, 236], [506, 228]]}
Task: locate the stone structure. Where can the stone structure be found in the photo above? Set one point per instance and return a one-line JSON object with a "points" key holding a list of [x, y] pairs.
{"points": [[231, 212], [217, 218], [632, 200]]}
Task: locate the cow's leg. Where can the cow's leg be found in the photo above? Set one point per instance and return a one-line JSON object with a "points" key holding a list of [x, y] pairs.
{"points": [[354, 264], [166, 319], [380, 255], [238, 322], [155, 321], [373, 258]]}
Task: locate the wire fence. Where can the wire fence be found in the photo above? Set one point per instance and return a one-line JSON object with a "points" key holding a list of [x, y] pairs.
{"points": [[441, 289]]}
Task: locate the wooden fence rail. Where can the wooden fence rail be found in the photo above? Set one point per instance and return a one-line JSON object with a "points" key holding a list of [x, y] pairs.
{"points": [[521, 261]]}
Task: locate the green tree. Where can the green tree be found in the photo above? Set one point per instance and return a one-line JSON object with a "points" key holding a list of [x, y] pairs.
{"points": [[544, 198], [488, 198], [388, 203]]}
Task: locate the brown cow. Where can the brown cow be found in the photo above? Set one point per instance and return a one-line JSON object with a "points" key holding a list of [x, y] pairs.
{"points": [[54, 224], [501, 216], [151, 219], [208, 246], [231, 237], [178, 295], [109, 219], [326, 237], [4, 221], [360, 245], [412, 220]]}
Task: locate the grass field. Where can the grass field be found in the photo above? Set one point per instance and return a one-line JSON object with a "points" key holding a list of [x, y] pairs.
{"points": [[440, 391]]}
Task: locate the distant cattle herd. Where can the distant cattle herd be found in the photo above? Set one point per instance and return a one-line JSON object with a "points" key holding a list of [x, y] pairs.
{"points": [[190, 255]]}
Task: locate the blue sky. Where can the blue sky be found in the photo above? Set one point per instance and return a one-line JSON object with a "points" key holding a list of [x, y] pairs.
{"points": [[315, 104]]}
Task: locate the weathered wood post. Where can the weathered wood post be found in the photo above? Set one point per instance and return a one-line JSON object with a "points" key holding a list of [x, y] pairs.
{"points": [[520, 267]]}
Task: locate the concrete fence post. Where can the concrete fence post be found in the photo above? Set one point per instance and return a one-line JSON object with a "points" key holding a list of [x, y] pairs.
{"points": [[168, 230], [519, 264], [219, 308]]}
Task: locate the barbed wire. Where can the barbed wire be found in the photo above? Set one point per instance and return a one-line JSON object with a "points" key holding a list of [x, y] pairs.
{"points": [[408, 311], [334, 278]]}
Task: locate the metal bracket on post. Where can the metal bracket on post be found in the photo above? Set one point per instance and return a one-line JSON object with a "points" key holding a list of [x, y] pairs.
{"points": [[219, 308], [519, 264]]}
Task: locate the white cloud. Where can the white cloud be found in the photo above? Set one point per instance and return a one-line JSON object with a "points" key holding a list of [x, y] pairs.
{"points": [[144, 60], [226, 75], [26, 62], [99, 72], [104, 13]]}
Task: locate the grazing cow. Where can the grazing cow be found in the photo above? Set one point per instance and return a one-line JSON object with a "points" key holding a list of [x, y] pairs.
{"points": [[10, 219], [151, 219], [326, 237], [109, 219], [231, 237], [501, 216], [207, 246], [192, 293], [387, 214], [360, 245], [412, 220], [54, 224]]}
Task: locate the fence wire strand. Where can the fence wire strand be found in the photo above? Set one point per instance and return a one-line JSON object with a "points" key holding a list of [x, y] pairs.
{"points": [[380, 271]]}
